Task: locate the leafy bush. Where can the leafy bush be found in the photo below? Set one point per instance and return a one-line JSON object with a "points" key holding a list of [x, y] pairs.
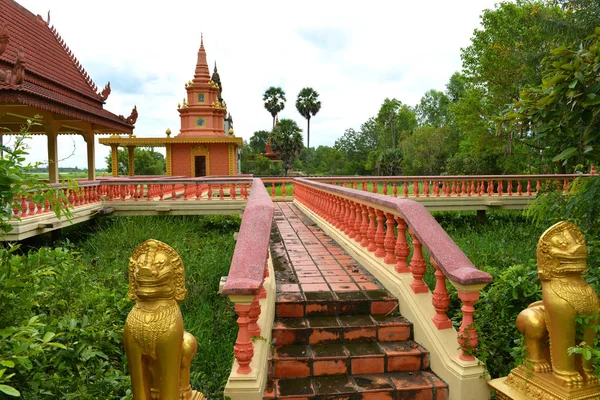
{"points": [[63, 309]]}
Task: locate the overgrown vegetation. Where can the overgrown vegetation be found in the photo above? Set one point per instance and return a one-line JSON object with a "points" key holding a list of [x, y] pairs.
{"points": [[63, 308]]}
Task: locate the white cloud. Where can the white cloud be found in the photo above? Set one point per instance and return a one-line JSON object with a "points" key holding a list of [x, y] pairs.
{"points": [[354, 54]]}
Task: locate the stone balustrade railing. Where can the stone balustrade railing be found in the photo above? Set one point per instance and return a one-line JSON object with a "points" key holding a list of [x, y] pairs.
{"points": [[71, 196], [279, 187], [381, 227], [159, 189], [249, 269], [453, 186]]}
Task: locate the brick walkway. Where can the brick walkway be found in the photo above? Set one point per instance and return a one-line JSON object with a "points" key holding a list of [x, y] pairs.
{"points": [[337, 331]]}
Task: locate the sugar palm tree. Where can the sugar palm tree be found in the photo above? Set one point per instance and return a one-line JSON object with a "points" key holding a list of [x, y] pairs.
{"points": [[274, 99], [308, 105]]}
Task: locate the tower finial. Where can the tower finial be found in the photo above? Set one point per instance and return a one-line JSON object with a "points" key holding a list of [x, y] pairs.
{"points": [[201, 39], [215, 66]]}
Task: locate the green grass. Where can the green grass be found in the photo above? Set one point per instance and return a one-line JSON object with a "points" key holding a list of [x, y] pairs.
{"points": [[205, 244]]}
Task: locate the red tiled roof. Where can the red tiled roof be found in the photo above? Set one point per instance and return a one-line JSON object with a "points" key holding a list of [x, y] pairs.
{"points": [[51, 69]]}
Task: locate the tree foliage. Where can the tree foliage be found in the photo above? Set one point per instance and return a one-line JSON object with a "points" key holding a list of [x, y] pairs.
{"points": [[287, 140], [258, 141], [433, 109], [561, 116], [146, 162], [274, 98]]}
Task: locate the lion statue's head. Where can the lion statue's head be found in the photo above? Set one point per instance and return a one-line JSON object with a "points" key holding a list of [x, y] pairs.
{"points": [[561, 251], [156, 272]]}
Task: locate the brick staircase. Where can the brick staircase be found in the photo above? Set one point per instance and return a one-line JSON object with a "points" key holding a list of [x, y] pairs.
{"points": [[337, 331]]}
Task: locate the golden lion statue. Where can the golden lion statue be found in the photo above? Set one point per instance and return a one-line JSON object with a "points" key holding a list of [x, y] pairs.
{"points": [[159, 352], [561, 255]]}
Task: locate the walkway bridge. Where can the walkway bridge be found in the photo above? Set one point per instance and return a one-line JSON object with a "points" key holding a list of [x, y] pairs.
{"points": [[332, 302]]}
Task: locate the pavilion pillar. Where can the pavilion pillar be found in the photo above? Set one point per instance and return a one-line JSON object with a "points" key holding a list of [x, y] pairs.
{"points": [[130, 160], [52, 135], [114, 159], [168, 161], [91, 162]]}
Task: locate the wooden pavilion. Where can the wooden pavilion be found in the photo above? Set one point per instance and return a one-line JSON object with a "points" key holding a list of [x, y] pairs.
{"points": [[40, 76]]}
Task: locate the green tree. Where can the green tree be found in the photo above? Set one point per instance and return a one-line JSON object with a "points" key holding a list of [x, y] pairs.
{"points": [[426, 151], [395, 122], [258, 142], [308, 105], [287, 140], [432, 110], [561, 116], [147, 162], [274, 98]]}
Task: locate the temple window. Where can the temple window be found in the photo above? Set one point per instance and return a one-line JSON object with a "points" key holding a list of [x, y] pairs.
{"points": [[200, 121], [200, 97]]}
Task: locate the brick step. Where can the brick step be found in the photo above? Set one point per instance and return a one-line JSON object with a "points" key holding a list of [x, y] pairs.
{"points": [[347, 358], [422, 385], [331, 303], [341, 329]]}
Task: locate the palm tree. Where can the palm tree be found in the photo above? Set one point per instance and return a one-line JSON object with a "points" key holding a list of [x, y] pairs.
{"points": [[308, 105], [287, 140], [274, 99]]}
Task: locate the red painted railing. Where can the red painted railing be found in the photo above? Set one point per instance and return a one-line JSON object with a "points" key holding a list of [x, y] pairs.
{"points": [[372, 220], [248, 271], [453, 186], [161, 189], [71, 196], [279, 187]]}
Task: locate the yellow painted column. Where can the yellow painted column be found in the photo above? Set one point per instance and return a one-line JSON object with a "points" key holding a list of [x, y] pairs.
{"points": [[52, 135], [168, 160], [114, 159], [231, 159], [91, 162], [130, 160]]}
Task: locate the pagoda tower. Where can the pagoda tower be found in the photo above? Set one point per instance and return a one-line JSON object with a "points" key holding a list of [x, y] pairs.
{"points": [[202, 113]]}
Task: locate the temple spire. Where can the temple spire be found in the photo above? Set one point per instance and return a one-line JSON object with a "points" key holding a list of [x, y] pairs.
{"points": [[202, 71]]}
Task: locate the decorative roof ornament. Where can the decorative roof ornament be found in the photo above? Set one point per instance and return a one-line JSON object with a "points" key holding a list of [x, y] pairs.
{"points": [[48, 20], [132, 117], [168, 132], [15, 77], [4, 38], [217, 80], [105, 92]]}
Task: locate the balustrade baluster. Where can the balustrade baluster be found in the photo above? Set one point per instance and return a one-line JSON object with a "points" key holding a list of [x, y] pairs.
{"points": [[416, 189], [253, 315], [354, 183], [374, 188], [380, 235], [31, 204], [440, 299], [364, 186], [348, 220], [529, 188], [46, 205], [283, 189], [565, 186], [405, 189], [221, 192], [23, 205], [385, 188], [401, 248], [161, 193], [500, 187], [519, 188], [417, 266], [364, 227], [436, 189], [481, 186], [357, 223], [232, 190], [243, 350], [16, 206], [509, 188], [490, 188], [71, 197], [173, 193], [537, 187], [467, 334], [426, 188], [372, 229], [395, 189], [389, 242], [454, 188], [463, 188], [273, 189], [39, 206]]}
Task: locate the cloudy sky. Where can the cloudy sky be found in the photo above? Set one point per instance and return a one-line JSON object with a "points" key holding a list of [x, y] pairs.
{"points": [[355, 54]]}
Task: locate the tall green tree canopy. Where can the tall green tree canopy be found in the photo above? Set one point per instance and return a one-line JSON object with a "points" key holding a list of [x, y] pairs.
{"points": [[146, 162], [395, 121], [308, 105], [274, 98], [287, 140], [258, 141], [433, 109], [562, 114]]}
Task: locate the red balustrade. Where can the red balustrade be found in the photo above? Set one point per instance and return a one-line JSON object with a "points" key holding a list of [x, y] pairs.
{"points": [[374, 219]]}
